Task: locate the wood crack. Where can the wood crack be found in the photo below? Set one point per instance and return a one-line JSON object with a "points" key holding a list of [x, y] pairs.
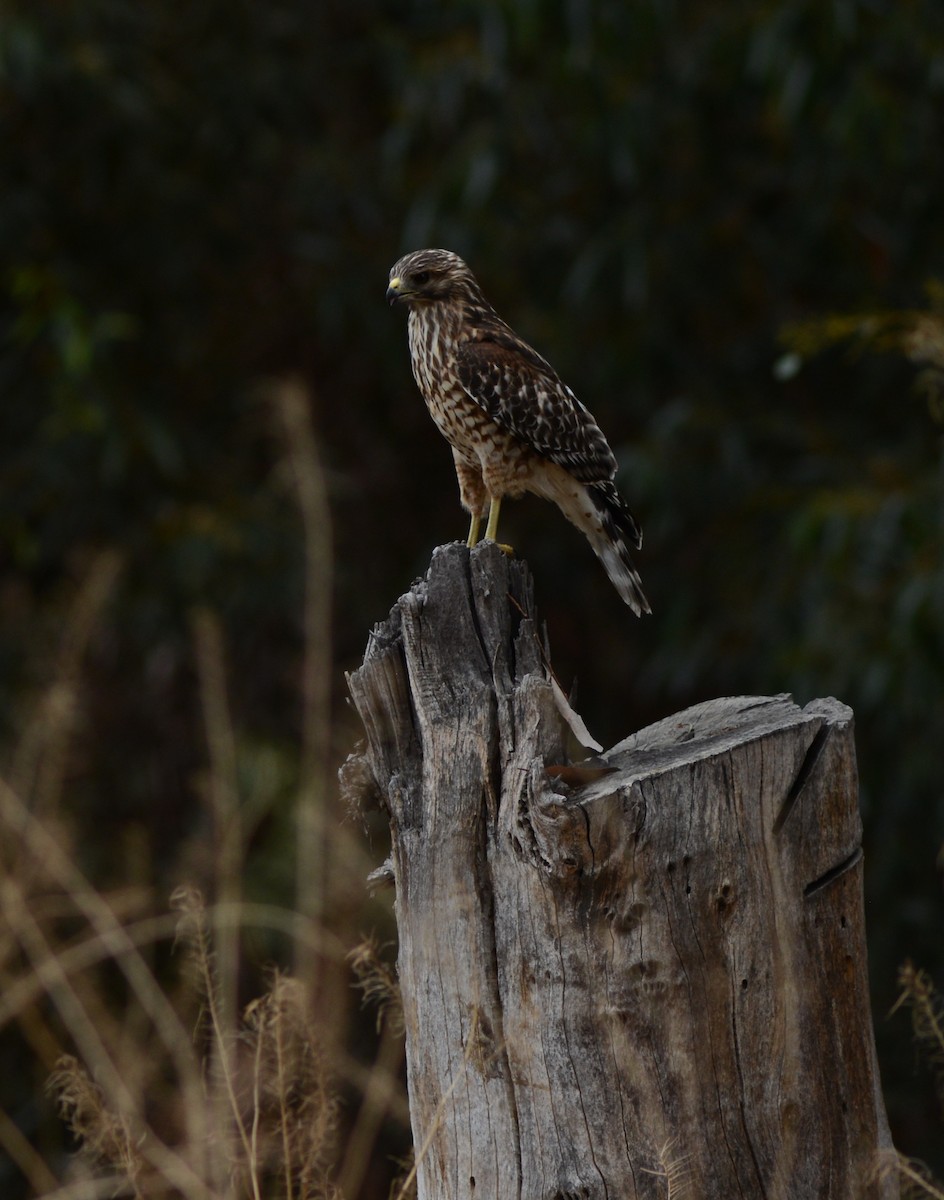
{"points": [[833, 873], [807, 767]]}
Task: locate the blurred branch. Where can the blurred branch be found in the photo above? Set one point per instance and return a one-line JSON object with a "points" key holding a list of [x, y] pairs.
{"points": [[40, 757], [224, 805], [918, 334], [17, 995], [28, 1161], [87, 1038], [382, 1092], [35, 839], [292, 403]]}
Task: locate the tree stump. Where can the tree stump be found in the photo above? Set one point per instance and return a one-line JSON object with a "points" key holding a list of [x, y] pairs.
{"points": [[641, 979]]}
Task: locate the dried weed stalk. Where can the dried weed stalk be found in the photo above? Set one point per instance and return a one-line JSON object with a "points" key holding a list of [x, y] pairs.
{"points": [[273, 1109], [927, 1021], [675, 1169], [105, 1137], [404, 1186], [294, 1109], [292, 405], [915, 1179], [378, 982], [927, 1017]]}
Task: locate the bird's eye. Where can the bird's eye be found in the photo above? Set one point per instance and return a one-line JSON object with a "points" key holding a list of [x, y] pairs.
{"points": [[421, 277]]}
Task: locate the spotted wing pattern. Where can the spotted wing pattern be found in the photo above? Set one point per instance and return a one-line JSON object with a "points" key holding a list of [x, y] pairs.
{"points": [[522, 393]]}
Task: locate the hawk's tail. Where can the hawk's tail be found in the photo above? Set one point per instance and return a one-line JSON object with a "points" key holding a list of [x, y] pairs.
{"points": [[611, 534]]}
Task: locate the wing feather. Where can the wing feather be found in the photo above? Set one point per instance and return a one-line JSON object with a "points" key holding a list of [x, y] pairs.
{"points": [[521, 392]]}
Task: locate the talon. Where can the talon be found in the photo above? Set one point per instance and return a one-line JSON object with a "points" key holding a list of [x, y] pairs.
{"points": [[506, 549]]}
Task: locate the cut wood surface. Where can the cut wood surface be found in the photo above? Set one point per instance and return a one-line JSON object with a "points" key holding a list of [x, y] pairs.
{"points": [[648, 985]]}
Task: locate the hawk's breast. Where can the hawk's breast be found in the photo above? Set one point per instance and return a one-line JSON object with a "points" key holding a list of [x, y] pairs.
{"points": [[505, 460]]}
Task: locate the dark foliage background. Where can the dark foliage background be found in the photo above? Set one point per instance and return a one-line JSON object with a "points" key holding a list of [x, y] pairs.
{"points": [[198, 198]]}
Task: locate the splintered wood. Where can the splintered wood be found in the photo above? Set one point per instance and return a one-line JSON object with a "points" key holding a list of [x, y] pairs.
{"points": [[645, 980]]}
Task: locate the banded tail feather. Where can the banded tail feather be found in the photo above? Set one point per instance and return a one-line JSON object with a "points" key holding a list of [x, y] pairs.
{"points": [[611, 539]]}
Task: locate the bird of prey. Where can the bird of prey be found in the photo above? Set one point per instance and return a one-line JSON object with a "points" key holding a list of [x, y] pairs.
{"points": [[513, 426]]}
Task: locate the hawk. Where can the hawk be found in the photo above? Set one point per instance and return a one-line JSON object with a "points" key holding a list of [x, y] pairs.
{"points": [[513, 426]]}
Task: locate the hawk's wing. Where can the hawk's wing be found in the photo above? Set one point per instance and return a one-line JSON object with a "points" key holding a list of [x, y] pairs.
{"points": [[523, 394]]}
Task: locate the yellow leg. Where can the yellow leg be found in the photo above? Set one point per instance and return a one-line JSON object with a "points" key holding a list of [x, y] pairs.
{"points": [[491, 529], [474, 530]]}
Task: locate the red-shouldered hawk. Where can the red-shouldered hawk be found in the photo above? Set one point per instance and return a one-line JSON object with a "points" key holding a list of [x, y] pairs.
{"points": [[514, 427]]}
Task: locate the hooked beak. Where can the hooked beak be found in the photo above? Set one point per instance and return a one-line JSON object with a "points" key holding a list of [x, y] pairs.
{"points": [[393, 291]]}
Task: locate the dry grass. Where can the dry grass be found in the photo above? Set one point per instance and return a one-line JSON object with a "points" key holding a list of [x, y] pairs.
{"points": [[913, 1177], [377, 980], [927, 1018], [919, 995], [170, 1084], [675, 1169], [275, 1112]]}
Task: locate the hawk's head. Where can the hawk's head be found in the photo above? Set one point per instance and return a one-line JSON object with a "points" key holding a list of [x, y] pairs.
{"points": [[429, 276]]}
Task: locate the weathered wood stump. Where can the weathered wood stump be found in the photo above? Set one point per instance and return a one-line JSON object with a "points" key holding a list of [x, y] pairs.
{"points": [[651, 984]]}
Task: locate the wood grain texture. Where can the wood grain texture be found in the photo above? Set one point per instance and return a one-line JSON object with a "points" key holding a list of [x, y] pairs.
{"points": [[650, 986]]}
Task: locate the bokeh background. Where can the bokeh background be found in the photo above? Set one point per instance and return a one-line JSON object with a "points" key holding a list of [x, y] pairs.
{"points": [[721, 221]]}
